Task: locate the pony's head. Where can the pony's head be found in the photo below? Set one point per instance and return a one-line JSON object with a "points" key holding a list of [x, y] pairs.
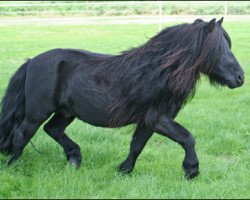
{"points": [[225, 69]]}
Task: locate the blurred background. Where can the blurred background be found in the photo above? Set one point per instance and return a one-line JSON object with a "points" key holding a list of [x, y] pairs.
{"points": [[118, 11]]}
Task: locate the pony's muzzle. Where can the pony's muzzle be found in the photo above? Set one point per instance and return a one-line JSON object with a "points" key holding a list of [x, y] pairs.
{"points": [[237, 82]]}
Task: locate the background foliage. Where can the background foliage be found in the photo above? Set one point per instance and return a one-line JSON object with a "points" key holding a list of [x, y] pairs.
{"points": [[150, 8]]}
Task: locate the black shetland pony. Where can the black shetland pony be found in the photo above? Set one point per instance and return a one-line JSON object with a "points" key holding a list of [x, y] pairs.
{"points": [[146, 86]]}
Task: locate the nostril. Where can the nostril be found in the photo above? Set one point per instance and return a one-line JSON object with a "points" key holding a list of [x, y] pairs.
{"points": [[240, 78]]}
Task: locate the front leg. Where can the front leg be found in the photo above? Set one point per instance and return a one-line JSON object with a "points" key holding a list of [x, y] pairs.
{"points": [[166, 126], [141, 135]]}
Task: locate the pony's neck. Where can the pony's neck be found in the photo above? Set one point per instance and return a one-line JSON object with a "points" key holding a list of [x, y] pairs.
{"points": [[161, 60]]}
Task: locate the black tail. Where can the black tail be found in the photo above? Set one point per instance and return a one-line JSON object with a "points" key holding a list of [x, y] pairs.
{"points": [[12, 109]]}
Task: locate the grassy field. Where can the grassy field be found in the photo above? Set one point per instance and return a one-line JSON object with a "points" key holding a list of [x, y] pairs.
{"points": [[219, 119]]}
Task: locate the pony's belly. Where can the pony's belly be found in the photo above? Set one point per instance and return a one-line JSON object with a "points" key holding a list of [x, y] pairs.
{"points": [[90, 102], [92, 108], [94, 117]]}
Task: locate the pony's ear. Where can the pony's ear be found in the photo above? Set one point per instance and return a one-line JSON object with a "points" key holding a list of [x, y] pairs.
{"points": [[211, 25], [220, 21]]}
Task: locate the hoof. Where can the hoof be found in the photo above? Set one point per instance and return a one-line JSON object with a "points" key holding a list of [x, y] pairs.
{"points": [[74, 162], [125, 168], [191, 169], [191, 173]]}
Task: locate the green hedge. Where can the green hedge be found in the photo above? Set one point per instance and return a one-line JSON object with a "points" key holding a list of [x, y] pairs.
{"points": [[149, 8]]}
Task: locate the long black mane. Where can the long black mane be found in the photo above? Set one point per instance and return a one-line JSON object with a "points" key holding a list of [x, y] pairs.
{"points": [[162, 72]]}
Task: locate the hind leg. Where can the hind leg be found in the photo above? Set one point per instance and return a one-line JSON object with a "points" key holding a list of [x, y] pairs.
{"points": [[22, 136], [55, 128]]}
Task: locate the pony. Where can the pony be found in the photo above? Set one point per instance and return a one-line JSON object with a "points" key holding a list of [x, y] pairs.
{"points": [[146, 86]]}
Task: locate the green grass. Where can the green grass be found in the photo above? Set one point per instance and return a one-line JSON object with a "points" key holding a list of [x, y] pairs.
{"points": [[219, 119]]}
